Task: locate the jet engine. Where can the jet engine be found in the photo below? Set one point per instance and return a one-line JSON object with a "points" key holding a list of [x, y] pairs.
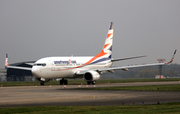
{"points": [[91, 76]]}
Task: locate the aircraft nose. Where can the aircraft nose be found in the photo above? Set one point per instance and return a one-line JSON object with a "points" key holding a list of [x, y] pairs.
{"points": [[35, 71]]}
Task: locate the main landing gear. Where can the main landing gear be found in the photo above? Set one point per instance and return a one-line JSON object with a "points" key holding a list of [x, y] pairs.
{"points": [[63, 81], [91, 82], [42, 83]]}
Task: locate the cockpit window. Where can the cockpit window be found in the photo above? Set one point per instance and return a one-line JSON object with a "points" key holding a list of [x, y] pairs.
{"points": [[43, 64], [40, 64]]}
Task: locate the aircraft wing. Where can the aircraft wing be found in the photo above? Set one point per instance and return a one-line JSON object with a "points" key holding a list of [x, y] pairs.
{"points": [[134, 66], [16, 67], [113, 60], [125, 68], [81, 72]]}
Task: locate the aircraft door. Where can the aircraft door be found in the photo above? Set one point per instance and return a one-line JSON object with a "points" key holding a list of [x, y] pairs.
{"points": [[51, 65]]}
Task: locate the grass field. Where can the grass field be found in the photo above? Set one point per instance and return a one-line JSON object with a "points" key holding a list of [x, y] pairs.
{"points": [[167, 108], [79, 82]]}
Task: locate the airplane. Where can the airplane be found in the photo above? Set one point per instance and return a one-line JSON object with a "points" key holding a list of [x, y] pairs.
{"points": [[88, 67]]}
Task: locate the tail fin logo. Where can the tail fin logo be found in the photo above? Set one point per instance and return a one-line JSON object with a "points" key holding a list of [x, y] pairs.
{"points": [[109, 35], [109, 41], [106, 52], [6, 61]]}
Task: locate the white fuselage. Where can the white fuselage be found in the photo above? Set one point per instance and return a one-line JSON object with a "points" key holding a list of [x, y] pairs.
{"points": [[65, 67]]}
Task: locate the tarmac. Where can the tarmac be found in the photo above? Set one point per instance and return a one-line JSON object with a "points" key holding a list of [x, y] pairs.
{"points": [[58, 95]]}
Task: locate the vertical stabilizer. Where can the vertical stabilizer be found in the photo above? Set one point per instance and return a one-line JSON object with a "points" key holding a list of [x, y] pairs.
{"points": [[6, 60], [109, 41], [106, 52]]}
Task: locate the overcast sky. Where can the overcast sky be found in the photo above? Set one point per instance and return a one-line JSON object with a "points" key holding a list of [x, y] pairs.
{"points": [[32, 29]]}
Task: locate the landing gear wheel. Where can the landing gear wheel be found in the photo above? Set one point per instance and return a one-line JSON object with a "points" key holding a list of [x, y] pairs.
{"points": [[63, 81], [89, 82], [42, 83], [93, 82]]}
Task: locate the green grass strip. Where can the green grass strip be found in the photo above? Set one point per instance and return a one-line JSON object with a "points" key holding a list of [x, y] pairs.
{"points": [[167, 108], [79, 82]]}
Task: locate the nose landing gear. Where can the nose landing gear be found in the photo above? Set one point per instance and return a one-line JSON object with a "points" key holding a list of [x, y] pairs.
{"points": [[42, 83], [63, 81], [91, 82]]}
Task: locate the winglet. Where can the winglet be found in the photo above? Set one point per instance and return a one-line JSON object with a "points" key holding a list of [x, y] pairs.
{"points": [[172, 57], [6, 60], [111, 26]]}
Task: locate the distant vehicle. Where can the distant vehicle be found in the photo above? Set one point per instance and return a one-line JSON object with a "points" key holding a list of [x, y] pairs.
{"points": [[159, 76], [88, 67]]}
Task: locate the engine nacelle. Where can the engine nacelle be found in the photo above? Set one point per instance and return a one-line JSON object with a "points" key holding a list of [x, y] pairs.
{"points": [[91, 76]]}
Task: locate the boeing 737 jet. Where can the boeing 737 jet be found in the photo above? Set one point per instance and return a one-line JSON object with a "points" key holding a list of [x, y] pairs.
{"points": [[88, 67]]}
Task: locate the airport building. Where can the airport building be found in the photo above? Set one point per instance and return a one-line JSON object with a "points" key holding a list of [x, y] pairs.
{"points": [[3, 75], [13, 74]]}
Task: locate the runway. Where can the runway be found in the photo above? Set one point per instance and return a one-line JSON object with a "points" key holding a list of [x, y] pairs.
{"points": [[58, 95]]}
